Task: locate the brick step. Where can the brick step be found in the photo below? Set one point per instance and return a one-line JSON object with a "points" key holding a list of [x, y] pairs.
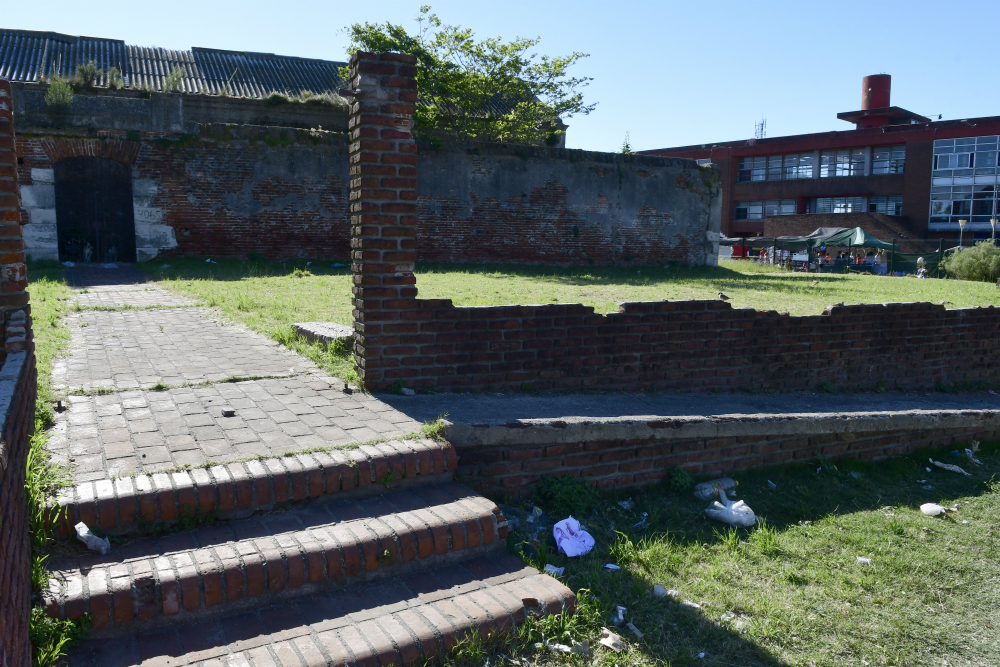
{"points": [[234, 490], [400, 621], [282, 555]]}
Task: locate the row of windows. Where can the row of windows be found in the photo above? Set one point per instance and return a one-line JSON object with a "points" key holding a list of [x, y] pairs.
{"points": [[889, 205], [848, 162], [964, 180], [757, 210]]}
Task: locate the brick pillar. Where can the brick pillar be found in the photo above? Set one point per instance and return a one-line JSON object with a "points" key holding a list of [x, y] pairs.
{"points": [[383, 158], [15, 553]]}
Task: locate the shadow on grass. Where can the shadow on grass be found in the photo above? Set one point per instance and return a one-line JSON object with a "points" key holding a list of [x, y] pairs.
{"points": [[884, 496]]}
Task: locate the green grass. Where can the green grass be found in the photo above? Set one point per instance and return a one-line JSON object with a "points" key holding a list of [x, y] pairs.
{"points": [[49, 305], [790, 591], [269, 296]]}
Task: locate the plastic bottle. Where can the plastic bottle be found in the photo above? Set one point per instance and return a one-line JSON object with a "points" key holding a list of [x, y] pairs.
{"points": [[710, 490]]}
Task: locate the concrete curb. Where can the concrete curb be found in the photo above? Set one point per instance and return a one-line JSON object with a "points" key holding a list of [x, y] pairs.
{"points": [[583, 429]]}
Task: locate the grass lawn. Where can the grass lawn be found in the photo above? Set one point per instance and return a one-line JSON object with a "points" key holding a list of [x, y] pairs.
{"points": [[791, 591], [49, 304], [269, 296]]}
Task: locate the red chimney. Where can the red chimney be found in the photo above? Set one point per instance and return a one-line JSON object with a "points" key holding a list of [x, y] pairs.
{"points": [[875, 91]]}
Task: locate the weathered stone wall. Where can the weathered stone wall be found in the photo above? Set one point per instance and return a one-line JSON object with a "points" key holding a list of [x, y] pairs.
{"points": [[17, 406], [231, 189]]}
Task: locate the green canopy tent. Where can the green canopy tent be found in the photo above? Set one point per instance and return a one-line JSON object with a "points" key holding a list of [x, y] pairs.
{"points": [[836, 237]]}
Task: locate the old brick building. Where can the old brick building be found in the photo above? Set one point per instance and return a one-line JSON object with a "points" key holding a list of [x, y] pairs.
{"points": [[897, 174], [232, 157]]}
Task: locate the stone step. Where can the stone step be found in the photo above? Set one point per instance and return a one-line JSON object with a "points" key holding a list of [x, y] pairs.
{"points": [[241, 564], [233, 490], [400, 621]]}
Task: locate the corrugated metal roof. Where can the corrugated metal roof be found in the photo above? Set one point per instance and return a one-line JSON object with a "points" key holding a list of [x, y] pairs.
{"points": [[29, 56]]}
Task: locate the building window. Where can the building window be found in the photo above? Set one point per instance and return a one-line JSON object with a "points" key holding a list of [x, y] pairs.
{"points": [[799, 165], [776, 167], [703, 161], [753, 169], [888, 159], [889, 205], [758, 210], [836, 205], [964, 183], [849, 162]]}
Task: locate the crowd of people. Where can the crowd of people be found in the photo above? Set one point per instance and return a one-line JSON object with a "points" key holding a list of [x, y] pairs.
{"points": [[875, 260]]}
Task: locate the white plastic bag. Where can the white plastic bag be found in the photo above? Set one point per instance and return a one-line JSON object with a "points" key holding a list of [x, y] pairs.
{"points": [[735, 513], [571, 538], [93, 542]]}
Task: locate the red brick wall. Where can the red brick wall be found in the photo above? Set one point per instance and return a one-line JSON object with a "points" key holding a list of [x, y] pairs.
{"points": [[282, 193], [512, 471], [688, 346], [19, 405]]}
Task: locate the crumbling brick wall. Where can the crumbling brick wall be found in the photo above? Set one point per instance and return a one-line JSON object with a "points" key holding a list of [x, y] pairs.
{"points": [[680, 345], [282, 193], [17, 406]]}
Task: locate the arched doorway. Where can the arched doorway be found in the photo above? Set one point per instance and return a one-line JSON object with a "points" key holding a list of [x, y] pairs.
{"points": [[94, 215]]}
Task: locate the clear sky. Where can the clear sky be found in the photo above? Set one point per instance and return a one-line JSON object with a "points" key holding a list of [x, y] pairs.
{"points": [[669, 73]]}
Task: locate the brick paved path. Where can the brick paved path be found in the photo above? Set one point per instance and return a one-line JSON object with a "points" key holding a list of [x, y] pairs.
{"points": [[129, 339]]}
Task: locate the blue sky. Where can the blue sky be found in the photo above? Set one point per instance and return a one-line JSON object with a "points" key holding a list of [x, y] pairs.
{"points": [[669, 73]]}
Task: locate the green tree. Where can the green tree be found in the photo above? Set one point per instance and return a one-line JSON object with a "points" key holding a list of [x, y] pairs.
{"points": [[490, 90]]}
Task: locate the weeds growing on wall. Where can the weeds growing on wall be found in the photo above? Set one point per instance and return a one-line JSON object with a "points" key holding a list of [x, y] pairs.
{"points": [[59, 96], [172, 82], [49, 637], [87, 73]]}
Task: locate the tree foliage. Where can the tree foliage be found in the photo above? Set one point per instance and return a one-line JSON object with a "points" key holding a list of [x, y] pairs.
{"points": [[490, 90], [979, 263]]}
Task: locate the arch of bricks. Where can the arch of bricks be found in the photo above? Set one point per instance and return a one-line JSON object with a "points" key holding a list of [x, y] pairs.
{"points": [[111, 148]]}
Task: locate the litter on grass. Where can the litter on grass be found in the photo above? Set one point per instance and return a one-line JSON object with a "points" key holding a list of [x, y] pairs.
{"points": [[580, 648], [535, 513], [864, 561], [611, 640], [771, 485], [406, 391], [948, 466], [571, 538], [643, 521], [659, 591], [610, 567], [626, 504], [619, 616], [933, 509], [855, 475], [927, 487], [734, 513], [709, 490], [634, 629], [687, 604], [99, 544], [553, 570]]}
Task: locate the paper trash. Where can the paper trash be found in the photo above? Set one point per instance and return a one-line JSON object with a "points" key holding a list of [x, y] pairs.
{"points": [[948, 466], [554, 571], [611, 640], [571, 538], [93, 542]]}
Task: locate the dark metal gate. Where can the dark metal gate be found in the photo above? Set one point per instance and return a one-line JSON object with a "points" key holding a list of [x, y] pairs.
{"points": [[94, 216]]}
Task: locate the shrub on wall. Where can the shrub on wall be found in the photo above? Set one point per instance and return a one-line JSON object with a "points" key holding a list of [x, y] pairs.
{"points": [[978, 263], [59, 94], [172, 82]]}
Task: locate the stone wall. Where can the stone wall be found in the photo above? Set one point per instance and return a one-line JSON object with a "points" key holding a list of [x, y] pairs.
{"points": [[233, 189], [18, 389]]}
